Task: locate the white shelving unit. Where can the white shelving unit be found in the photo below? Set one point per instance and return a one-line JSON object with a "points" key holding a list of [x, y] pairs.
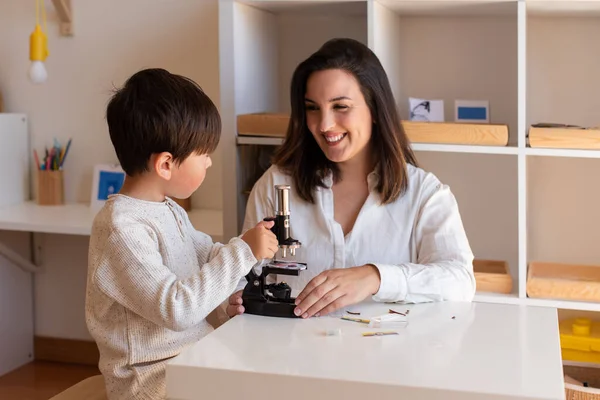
{"points": [[533, 60]]}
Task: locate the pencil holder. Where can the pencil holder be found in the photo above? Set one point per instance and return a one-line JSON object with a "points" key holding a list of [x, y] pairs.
{"points": [[50, 187]]}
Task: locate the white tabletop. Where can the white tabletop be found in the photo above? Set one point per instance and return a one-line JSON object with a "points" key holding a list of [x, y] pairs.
{"points": [[487, 351]]}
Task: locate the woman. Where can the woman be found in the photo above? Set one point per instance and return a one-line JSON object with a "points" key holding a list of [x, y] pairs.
{"points": [[371, 222]]}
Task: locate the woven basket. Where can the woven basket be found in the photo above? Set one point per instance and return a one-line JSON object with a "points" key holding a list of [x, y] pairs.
{"points": [[576, 392], [575, 375]]}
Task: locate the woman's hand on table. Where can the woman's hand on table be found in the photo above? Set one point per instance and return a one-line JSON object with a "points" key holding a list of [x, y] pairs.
{"points": [[235, 306], [337, 288]]}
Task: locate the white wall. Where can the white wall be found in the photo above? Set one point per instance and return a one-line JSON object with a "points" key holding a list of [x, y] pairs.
{"points": [[302, 35], [112, 40]]}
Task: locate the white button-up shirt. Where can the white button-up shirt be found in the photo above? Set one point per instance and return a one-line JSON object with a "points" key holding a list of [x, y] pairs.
{"points": [[417, 243]]}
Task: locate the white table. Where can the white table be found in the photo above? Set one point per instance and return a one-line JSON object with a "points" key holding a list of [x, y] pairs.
{"points": [[488, 351]]}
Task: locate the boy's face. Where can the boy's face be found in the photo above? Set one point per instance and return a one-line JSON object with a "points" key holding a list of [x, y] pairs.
{"points": [[189, 175]]}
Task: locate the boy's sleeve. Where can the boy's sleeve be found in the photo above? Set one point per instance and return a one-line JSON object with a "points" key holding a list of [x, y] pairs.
{"points": [[131, 272], [206, 250]]}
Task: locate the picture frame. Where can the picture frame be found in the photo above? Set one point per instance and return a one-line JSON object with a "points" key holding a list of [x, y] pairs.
{"points": [[108, 179], [472, 111]]}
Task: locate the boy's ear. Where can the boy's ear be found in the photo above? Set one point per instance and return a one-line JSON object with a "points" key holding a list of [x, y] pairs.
{"points": [[163, 165]]}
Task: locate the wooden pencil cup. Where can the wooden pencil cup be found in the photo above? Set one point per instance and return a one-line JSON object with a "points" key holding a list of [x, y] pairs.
{"points": [[50, 187]]}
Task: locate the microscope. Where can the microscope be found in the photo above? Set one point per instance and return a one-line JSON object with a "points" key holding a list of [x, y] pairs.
{"points": [[274, 299]]}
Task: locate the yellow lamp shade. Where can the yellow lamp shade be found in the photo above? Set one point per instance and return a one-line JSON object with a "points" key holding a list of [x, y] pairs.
{"points": [[38, 45]]}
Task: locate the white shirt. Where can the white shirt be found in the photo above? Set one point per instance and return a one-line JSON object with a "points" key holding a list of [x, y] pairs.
{"points": [[418, 243]]}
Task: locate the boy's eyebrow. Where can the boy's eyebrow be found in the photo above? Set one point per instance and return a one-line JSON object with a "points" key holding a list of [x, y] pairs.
{"points": [[330, 100]]}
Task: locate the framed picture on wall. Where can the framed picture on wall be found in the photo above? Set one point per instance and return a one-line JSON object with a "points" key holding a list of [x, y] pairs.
{"points": [[108, 179]]}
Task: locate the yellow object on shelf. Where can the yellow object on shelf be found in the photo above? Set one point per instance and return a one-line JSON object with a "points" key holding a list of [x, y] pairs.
{"points": [[580, 340]]}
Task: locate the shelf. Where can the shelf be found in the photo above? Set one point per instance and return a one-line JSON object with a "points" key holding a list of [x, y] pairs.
{"points": [[530, 151], [565, 8], [77, 218], [498, 298], [259, 140], [458, 148], [274, 125], [311, 8], [448, 148], [563, 304], [451, 8], [515, 300], [69, 219], [501, 51]]}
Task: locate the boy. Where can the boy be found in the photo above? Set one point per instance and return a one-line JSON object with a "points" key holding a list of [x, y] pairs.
{"points": [[152, 278]]}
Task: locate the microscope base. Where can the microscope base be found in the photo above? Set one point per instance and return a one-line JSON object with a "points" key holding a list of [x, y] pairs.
{"points": [[270, 308]]}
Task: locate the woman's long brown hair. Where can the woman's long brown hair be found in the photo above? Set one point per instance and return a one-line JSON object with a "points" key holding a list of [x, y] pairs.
{"points": [[300, 155]]}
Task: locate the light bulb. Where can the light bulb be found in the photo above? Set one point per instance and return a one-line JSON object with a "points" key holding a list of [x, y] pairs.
{"points": [[37, 72]]}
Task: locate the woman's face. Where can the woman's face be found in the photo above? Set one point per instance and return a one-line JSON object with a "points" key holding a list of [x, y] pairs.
{"points": [[337, 114]]}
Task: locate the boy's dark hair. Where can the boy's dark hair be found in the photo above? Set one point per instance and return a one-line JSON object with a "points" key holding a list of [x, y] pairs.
{"points": [[300, 155], [156, 111]]}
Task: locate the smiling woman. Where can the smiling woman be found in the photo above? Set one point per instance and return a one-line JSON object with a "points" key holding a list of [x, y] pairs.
{"points": [[372, 223]]}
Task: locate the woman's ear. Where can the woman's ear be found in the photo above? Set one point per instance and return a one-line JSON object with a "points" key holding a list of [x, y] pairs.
{"points": [[163, 165]]}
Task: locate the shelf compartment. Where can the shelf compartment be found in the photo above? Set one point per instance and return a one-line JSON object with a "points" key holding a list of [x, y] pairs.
{"points": [[275, 125], [562, 83], [563, 281], [565, 138], [492, 276]]}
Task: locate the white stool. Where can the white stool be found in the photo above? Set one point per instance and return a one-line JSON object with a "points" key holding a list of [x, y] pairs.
{"points": [[91, 388]]}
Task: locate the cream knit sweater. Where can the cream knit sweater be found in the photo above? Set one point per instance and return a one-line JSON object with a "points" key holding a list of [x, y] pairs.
{"points": [[152, 280]]}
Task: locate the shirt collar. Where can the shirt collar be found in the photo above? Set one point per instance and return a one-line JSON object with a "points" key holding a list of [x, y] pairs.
{"points": [[372, 179]]}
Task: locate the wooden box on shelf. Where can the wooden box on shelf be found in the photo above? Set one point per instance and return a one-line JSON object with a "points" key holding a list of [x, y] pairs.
{"points": [[563, 281], [275, 125], [456, 133], [50, 187], [564, 138], [492, 276], [263, 124]]}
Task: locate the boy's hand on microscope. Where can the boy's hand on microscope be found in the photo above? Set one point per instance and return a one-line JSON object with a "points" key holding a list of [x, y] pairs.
{"points": [[261, 240]]}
